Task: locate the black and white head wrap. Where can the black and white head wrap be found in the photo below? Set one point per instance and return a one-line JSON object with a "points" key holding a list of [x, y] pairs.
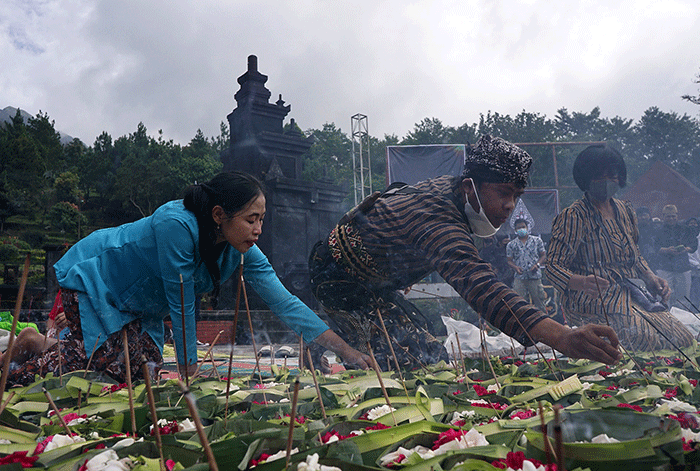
{"points": [[496, 160]]}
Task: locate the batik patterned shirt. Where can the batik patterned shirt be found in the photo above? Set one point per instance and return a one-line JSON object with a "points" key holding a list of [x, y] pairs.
{"points": [[410, 235], [525, 255]]}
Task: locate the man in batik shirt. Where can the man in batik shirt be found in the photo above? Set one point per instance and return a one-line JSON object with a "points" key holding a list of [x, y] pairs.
{"points": [[395, 239]]}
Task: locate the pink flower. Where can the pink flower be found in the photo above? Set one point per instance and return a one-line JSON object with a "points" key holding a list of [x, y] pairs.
{"points": [[526, 414], [170, 465], [481, 391], [19, 457], [630, 406], [671, 393]]}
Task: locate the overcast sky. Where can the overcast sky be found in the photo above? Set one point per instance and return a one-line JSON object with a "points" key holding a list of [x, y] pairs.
{"points": [[98, 66]]}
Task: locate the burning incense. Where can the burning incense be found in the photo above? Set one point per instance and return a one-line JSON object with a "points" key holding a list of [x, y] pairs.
{"points": [[15, 318], [233, 334], [534, 344], [207, 354], [318, 388], [94, 347], [485, 353], [80, 399], [558, 441], [665, 336], [184, 333], [154, 414], [461, 357], [200, 429], [125, 343], [393, 353], [56, 411], [375, 366], [607, 321], [252, 332], [292, 418]]}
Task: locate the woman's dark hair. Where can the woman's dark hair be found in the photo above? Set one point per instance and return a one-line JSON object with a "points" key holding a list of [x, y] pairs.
{"points": [[233, 191], [521, 221], [597, 160]]}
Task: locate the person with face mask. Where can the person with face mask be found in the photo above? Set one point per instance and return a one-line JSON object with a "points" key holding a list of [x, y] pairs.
{"points": [[675, 241], [394, 239], [526, 255], [595, 262]]}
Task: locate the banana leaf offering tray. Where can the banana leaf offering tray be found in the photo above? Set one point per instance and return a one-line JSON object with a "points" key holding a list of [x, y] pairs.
{"points": [[476, 414]]}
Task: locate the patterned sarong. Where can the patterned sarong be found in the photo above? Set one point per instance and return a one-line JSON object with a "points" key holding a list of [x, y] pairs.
{"points": [[108, 358], [344, 281]]}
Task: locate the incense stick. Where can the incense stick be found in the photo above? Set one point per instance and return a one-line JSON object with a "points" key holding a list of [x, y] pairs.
{"points": [[558, 442], [207, 354], [94, 347], [56, 411], [666, 337], [184, 333], [15, 318], [375, 366], [7, 401], [393, 353], [200, 429], [154, 414], [252, 332], [292, 418], [318, 388], [125, 343], [233, 334]]}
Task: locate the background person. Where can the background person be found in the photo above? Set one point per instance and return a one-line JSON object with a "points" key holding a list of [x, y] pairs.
{"points": [[526, 255], [674, 243], [392, 240], [593, 254], [129, 277]]}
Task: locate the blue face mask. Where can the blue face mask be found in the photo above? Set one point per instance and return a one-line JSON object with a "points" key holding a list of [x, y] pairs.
{"points": [[522, 232]]}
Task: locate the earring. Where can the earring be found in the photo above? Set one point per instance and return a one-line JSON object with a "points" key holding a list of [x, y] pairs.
{"points": [[218, 227]]}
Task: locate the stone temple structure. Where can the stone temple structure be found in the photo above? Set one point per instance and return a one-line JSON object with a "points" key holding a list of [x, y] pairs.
{"points": [[299, 212]]}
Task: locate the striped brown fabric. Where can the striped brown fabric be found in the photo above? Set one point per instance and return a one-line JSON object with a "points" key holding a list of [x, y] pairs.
{"points": [[410, 235], [582, 244]]}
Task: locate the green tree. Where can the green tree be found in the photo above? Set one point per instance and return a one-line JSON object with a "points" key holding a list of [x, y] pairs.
{"points": [[66, 188], [667, 137], [66, 217], [693, 98], [330, 156], [428, 131]]}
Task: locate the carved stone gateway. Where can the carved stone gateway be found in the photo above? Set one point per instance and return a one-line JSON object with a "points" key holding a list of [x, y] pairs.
{"points": [[299, 212]]}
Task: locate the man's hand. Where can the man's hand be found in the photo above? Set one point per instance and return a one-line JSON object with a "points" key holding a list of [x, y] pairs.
{"points": [[592, 341]]}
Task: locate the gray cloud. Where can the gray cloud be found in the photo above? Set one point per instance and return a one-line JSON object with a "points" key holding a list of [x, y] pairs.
{"points": [[104, 65]]}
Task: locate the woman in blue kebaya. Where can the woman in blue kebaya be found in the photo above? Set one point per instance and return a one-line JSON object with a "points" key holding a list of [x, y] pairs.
{"points": [[129, 278]]}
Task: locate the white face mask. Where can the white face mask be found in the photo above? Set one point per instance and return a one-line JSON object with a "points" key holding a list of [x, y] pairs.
{"points": [[480, 224]]}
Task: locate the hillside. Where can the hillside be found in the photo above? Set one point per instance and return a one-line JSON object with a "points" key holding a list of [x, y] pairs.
{"points": [[7, 113]]}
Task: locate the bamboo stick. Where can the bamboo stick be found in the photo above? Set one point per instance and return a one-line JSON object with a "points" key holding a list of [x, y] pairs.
{"points": [[154, 414], [318, 388], [292, 418], [233, 335], [125, 343], [10, 344], [200, 429]]}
